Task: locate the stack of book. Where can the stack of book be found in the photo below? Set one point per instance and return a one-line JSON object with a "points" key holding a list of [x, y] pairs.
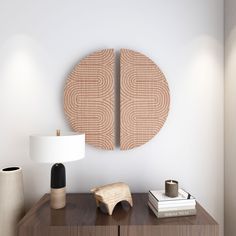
{"points": [[163, 206]]}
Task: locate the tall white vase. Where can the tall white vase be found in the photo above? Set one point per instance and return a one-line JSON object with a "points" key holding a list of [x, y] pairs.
{"points": [[11, 200]]}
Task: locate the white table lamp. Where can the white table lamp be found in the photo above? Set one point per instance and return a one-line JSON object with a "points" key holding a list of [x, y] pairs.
{"points": [[56, 149]]}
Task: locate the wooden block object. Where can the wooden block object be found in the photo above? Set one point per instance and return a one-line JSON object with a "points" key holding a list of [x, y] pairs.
{"points": [[112, 194], [89, 98], [144, 99]]}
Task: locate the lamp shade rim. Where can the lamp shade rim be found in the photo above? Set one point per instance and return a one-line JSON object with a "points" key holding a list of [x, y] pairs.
{"points": [[51, 134]]}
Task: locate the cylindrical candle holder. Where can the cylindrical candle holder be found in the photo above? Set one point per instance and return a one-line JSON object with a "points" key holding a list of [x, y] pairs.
{"points": [[171, 188]]}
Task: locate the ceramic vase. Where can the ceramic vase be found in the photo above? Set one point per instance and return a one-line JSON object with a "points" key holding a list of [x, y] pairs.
{"points": [[11, 200]]}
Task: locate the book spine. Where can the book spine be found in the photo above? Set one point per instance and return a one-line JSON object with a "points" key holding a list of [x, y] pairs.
{"points": [[167, 209], [183, 193], [176, 209], [177, 213], [183, 202], [172, 203], [172, 213], [158, 205]]}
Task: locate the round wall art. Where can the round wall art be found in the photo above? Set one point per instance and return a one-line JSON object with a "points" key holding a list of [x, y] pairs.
{"points": [[89, 99]]}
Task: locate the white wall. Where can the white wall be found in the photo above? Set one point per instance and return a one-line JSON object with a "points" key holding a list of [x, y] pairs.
{"points": [[230, 114], [40, 41]]}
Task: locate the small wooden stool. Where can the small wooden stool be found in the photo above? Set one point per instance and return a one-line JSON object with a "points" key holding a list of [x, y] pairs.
{"points": [[112, 194]]}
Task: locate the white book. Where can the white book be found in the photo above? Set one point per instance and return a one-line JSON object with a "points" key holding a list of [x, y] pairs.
{"points": [[173, 208], [170, 205], [166, 214], [183, 198]]}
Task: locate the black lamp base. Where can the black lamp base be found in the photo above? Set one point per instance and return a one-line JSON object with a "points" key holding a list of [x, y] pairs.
{"points": [[58, 186]]}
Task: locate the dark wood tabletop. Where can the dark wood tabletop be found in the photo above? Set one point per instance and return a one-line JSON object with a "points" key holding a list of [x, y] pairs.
{"points": [[81, 210]]}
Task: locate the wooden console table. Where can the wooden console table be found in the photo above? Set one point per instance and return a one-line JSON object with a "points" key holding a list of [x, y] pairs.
{"points": [[81, 217]]}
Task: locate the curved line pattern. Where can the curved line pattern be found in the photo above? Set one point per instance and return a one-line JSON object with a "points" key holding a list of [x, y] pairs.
{"points": [[144, 99], [89, 98]]}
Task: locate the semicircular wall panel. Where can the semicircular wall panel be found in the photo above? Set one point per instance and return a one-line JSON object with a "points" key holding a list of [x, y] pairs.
{"points": [[89, 98], [144, 99]]}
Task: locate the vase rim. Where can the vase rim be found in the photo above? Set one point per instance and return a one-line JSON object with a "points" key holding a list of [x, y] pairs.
{"points": [[11, 169]]}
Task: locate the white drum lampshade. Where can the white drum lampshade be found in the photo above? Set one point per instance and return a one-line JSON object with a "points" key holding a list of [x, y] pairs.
{"points": [[56, 149]]}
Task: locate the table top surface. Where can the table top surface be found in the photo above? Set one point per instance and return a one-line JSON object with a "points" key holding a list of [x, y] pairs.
{"points": [[81, 210]]}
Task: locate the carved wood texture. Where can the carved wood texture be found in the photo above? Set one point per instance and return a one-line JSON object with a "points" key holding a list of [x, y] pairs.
{"points": [[144, 99], [89, 98], [111, 194]]}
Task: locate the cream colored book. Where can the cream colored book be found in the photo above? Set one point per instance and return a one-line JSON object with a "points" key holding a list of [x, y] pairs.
{"points": [[171, 206], [166, 214], [159, 199]]}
